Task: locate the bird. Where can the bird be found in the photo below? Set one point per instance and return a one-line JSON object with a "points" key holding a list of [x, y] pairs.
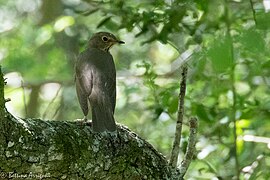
{"points": [[95, 81]]}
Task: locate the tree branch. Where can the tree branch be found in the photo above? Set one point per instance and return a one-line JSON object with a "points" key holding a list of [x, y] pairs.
{"points": [[193, 126], [179, 122], [68, 150]]}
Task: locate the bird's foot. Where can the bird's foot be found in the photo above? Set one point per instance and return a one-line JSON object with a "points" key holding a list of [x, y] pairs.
{"points": [[84, 121]]}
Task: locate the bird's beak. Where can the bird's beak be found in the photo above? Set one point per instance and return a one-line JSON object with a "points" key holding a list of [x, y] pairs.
{"points": [[116, 41], [121, 42]]}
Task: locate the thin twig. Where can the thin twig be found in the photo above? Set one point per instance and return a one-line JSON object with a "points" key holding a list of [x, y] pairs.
{"points": [[193, 126], [179, 122], [234, 103], [7, 100], [51, 102], [56, 111], [24, 98], [253, 11]]}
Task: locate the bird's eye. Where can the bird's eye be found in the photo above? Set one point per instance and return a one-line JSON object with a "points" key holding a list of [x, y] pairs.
{"points": [[104, 38]]}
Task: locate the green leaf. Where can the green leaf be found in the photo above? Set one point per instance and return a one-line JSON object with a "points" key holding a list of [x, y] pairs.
{"points": [[104, 21], [173, 105], [220, 54], [201, 112], [252, 41], [262, 19]]}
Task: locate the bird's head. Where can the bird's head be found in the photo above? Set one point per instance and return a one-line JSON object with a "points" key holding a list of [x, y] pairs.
{"points": [[103, 41]]}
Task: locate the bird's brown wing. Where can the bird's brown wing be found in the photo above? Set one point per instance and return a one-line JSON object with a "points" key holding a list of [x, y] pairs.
{"points": [[84, 81]]}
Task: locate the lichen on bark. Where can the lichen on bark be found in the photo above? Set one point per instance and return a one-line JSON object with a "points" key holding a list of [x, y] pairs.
{"points": [[67, 149]]}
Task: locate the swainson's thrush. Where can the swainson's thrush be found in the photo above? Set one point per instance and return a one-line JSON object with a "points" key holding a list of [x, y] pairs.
{"points": [[95, 78]]}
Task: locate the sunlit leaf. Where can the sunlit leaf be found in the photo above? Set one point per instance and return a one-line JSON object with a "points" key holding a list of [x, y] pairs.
{"points": [[63, 22], [243, 123]]}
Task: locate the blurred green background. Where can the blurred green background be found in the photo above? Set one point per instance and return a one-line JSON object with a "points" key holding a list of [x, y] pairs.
{"points": [[225, 44]]}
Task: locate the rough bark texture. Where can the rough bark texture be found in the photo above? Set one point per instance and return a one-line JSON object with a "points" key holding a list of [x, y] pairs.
{"points": [[66, 150], [2, 99], [33, 148]]}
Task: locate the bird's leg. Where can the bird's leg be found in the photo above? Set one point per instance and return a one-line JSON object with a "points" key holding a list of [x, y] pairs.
{"points": [[84, 119]]}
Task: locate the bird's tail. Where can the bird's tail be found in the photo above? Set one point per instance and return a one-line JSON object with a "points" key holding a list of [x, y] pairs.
{"points": [[102, 115]]}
